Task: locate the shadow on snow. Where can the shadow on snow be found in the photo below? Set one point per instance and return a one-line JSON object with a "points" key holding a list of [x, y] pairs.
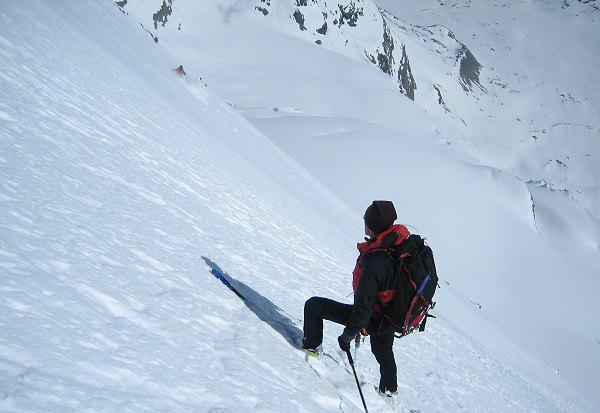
{"points": [[264, 308]]}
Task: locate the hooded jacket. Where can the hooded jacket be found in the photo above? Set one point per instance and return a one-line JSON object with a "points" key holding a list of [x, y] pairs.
{"points": [[373, 279]]}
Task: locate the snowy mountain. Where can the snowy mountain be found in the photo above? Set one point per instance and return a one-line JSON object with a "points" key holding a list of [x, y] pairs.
{"points": [[480, 80], [118, 176]]}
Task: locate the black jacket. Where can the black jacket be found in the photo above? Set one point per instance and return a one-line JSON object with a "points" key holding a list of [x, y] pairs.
{"points": [[373, 281], [377, 275]]}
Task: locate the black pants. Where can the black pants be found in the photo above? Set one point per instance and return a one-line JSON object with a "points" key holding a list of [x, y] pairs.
{"points": [[317, 309]]}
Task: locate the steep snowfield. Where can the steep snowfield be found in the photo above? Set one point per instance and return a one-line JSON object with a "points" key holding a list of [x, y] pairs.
{"points": [[515, 221], [117, 176]]}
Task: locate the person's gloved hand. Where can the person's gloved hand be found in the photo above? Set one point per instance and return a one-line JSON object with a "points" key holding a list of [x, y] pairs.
{"points": [[344, 341]]}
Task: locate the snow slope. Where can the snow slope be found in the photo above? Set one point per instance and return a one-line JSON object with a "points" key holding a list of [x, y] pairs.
{"points": [[515, 218], [117, 176]]}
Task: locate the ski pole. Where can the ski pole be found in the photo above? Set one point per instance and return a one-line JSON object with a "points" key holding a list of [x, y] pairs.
{"points": [[356, 378]]}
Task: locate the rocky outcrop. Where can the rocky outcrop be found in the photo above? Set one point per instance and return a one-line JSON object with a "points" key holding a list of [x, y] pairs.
{"points": [[323, 29], [405, 77], [163, 14], [349, 14], [263, 7], [299, 17], [469, 69], [386, 63], [441, 99], [385, 60]]}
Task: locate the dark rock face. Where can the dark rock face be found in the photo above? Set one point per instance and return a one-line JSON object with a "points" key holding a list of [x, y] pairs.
{"points": [[162, 15], [440, 98], [405, 77], [263, 8], [323, 29], [349, 14], [385, 60], [469, 69], [299, 19]]}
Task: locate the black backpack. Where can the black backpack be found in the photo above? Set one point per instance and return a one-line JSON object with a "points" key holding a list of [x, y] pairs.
{"points": [[415, 283]]}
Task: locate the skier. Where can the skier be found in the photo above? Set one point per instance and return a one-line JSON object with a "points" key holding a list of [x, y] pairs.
{"points": [[373, 288], [180, 70]]}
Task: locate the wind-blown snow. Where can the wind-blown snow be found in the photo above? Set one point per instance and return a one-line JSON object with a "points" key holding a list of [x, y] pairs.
{"points": [[117, 176]]}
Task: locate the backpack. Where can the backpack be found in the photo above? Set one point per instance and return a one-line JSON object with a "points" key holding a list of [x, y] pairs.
{"points": [[415, 282]]}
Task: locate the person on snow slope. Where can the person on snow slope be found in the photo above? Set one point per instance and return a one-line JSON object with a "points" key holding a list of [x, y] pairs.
{"points": [[373, 285]]}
